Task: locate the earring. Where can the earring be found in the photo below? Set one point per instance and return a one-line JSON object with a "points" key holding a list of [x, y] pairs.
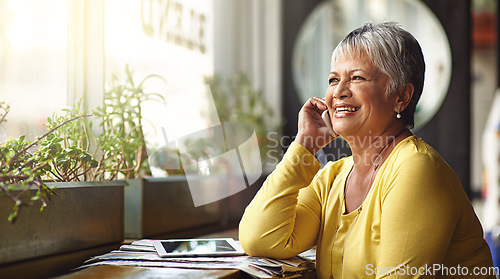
{"points": [[398, 116]]}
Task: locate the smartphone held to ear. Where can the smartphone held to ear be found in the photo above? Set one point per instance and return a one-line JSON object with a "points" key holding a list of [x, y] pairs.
{"points": [[328, 121]]}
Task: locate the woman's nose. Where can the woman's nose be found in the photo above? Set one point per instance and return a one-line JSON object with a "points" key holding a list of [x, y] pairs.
{"points": [[341, 91]]}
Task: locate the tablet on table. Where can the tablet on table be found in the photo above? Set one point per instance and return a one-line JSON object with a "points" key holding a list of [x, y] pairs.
{"points": [[198, 247]]}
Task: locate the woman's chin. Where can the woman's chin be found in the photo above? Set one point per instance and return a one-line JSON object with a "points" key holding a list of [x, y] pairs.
{"points": [[343, 130]]}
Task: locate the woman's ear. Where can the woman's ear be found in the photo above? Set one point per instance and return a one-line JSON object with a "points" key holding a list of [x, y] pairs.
{"points": [[404, 96]]}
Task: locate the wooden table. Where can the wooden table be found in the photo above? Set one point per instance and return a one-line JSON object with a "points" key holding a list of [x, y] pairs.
{"points": [[128, 272]]}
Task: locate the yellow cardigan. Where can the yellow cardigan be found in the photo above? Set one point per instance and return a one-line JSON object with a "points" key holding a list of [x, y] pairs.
{"points": [[416, 220]]}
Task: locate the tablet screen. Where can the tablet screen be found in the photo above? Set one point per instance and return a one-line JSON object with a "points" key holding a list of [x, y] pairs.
{"points": [[198, 246]]}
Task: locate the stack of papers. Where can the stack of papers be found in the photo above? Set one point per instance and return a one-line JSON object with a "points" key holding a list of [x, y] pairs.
{"points": [[141, 253]]}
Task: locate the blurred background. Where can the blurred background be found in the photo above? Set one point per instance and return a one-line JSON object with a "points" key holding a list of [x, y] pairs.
{"points": [[56, 52]]}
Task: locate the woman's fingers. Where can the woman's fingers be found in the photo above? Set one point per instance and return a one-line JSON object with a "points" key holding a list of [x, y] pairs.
{"points": [[312, 110], [313, 133], [318, 103]]}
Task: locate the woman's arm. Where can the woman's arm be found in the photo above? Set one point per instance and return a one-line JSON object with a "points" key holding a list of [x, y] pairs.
{"points": [[277, 223]]}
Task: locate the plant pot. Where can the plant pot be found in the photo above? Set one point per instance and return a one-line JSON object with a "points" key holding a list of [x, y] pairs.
{"points": [[82, 215], [160, 207]]}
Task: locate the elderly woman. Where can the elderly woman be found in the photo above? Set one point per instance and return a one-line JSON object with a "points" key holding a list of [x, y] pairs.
{"points": [[392, 209]]}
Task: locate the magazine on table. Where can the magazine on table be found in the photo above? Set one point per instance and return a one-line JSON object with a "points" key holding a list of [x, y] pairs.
{"points": [[142, 253]]}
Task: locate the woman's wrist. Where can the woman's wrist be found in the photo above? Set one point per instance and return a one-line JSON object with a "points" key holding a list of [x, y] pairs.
{"points": [[307, 142], [301, 158]]}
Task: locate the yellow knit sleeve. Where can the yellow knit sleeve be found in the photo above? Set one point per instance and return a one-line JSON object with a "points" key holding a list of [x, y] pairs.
{"points": [[275, 224]]}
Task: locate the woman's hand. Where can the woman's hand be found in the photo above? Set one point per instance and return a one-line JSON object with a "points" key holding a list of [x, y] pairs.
{"points": [[313, 133]]}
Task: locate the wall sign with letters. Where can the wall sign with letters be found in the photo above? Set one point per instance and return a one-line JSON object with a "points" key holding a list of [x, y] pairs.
{"points": [[174, 22]]}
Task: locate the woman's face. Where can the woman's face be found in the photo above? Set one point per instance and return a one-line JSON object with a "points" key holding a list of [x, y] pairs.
{"points": [[356, 97]]}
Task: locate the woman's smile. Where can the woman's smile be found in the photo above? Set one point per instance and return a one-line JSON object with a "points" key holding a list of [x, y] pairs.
{"points": [[345, 110]]}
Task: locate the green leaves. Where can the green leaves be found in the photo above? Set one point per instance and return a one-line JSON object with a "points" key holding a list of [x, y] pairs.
{"points": [[62, 153], [122, 141], [4, 109], [19, 167], [65, 149], [56, 156]]}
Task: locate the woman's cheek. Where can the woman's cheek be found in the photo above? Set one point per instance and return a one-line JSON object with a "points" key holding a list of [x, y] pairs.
{"points": [[329, 96]]}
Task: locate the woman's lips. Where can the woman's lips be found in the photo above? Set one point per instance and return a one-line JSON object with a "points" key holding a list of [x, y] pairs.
{"points": [[345, 110]]}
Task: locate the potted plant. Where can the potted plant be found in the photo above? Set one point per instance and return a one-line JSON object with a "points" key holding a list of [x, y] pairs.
{"points": [[80, 216], [121, 143], [153, 207]]}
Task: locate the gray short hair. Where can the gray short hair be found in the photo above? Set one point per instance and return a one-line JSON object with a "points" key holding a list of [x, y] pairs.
{"points": [[395, 52]]}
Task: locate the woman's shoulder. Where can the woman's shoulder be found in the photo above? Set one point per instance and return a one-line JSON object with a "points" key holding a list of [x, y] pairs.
{"points": [[415, 159], [414, 150], [416, 169]]}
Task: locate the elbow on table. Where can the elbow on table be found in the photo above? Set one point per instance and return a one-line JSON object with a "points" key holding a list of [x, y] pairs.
{"points": [[252, 245], [257, 242], [257, 247], [250, 239]]}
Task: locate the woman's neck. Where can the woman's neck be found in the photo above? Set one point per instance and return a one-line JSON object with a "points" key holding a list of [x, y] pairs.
{"points": [[371, 151]]}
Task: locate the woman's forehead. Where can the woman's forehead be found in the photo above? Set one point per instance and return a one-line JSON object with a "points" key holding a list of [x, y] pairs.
{"points": [[353, 56], [349, 52]]}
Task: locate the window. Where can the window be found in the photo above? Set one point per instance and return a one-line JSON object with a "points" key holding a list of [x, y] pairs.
{"points": [[33, 63], [54, 52]]}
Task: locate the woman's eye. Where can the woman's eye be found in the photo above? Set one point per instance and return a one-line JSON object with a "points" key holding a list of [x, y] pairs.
{"points": [[358, 78], [332, 81]]}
